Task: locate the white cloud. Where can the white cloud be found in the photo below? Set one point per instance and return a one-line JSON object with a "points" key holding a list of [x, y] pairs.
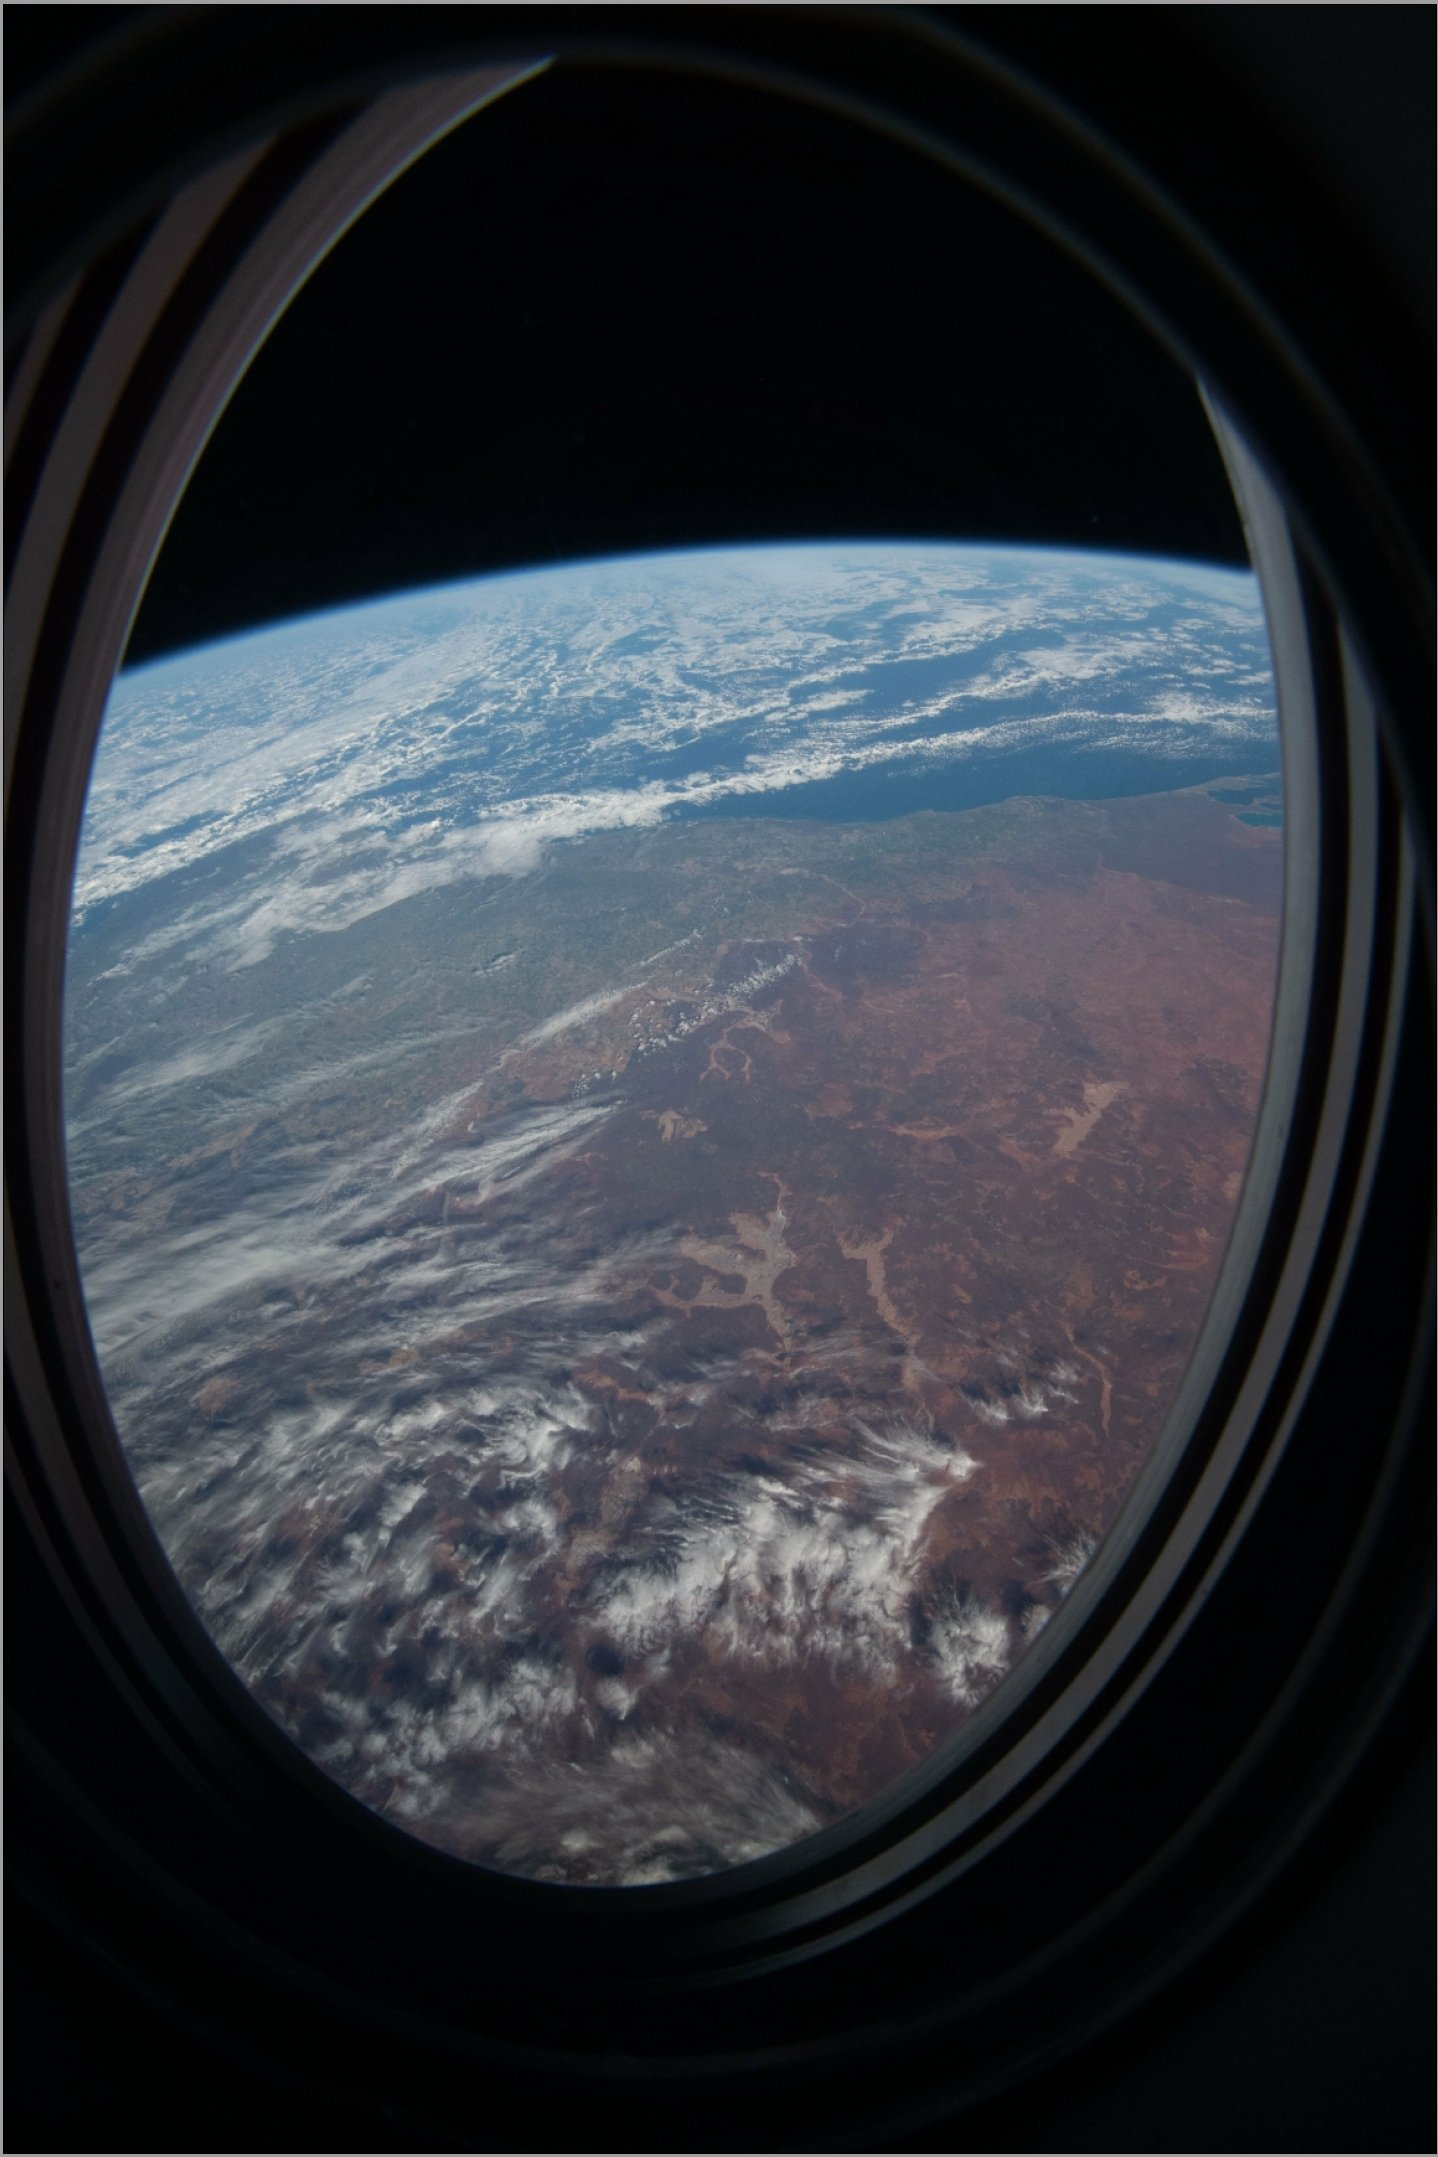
{"points": [[971, 1646], [820, 1565], [417, 728], [648, 1810]]}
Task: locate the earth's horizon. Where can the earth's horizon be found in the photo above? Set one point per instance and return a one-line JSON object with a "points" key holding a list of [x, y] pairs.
{"points": [[649, 1144]]}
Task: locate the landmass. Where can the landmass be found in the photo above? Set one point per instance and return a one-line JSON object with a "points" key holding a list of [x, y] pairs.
{"points": [[625, 1358]]}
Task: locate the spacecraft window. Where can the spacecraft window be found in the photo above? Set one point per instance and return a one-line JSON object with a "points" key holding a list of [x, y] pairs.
{"points": [[416, 1421], [651, 1140]]}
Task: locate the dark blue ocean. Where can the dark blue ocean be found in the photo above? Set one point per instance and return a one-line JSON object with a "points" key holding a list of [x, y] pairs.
{"points": [[991, 776]]}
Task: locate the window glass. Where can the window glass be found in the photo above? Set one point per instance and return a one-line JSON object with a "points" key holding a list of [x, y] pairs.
{"points": [[648, 1145]]}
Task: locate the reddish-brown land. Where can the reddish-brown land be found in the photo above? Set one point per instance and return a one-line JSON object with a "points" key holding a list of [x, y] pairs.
{"points": [[763, 1335]]}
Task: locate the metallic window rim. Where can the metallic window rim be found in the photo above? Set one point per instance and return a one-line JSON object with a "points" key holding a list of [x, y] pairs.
{"points": [[118, 426]]}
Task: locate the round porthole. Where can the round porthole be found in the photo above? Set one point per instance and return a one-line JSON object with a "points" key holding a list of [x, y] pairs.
{"points": [[117, 389]]}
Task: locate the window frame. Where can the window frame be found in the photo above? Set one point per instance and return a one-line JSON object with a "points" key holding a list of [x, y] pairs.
{"points": [[791, 1968]]}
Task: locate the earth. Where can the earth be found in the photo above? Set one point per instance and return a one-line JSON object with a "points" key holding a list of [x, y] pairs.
{"points": [[649, 1143]]}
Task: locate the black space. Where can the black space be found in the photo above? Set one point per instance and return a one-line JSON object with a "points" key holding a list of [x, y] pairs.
{"points": [[629, 310]]}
